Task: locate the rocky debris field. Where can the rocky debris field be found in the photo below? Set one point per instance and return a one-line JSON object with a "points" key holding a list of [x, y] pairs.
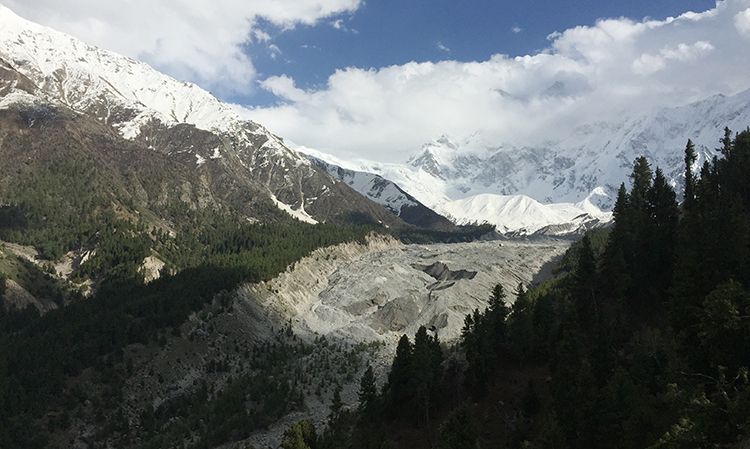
{"points": [[388, 289]]}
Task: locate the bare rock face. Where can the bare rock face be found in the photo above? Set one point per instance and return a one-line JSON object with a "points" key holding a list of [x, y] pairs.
{"points": [[441, 272], [151, 269], [381, 291]]}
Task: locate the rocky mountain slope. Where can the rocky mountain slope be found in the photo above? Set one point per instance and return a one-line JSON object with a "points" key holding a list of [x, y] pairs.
{"points": [[46, 74], [389, 195]]}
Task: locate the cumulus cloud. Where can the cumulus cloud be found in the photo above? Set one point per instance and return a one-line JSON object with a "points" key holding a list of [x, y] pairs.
{"points": [[588, 73], [198, 40]]}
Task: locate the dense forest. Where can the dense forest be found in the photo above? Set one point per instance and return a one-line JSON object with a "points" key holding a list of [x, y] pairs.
{"points": [[38, 355], [642, 340]]}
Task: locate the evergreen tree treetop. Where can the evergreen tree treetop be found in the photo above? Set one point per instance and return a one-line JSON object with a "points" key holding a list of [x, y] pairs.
{"points": [[641, 179], [368, 392], [690, 158]]}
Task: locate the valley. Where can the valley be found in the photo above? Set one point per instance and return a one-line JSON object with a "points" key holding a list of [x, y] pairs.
{"points": [[173, 274]]}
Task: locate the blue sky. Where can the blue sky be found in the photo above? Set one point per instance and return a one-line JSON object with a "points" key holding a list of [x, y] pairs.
{"points": [[384, 33], [378, 79]]}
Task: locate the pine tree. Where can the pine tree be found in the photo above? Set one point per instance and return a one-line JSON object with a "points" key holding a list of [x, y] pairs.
{"points": [[641, 179], [369, 411], [482, 338], [425, 372], [661, 235], [725, 326], [459, 431], [689, 192], [521, 325], [726, 144], [496, 315], [337, 430], [300, 435], [583, 284], [618, 250], [398, 389], [368, 394]]}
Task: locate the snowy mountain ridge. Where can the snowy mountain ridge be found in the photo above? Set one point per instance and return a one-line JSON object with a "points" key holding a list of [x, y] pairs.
{"points": [[567, 184], [374, 186], [588, 164], [82, 76], [388, 194], [522, 215], [599, 155], [125, 94]]}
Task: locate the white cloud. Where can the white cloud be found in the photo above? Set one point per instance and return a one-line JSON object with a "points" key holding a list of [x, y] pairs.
{"points": [[516, 29], [647, 64], [274, 50], [340, 25], [742, 22], [198, 40], [587, 73], [442, 47]]}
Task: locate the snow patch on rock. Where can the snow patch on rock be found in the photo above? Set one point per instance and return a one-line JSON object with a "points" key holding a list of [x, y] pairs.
{"points": [[299, 214]]}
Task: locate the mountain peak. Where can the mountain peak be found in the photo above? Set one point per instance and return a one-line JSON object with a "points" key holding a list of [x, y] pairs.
{"points": [[447, 142]]}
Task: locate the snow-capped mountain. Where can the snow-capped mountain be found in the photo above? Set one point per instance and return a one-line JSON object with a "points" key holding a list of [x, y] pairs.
{"points": [[236, 158], [243, 159], [421, 185], [588, 165], [600, 155], [97, 81], [521, 215], [387, 193]]}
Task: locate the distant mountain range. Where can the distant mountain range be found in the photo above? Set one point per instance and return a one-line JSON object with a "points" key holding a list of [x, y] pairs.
{"points": [[389, 195]]}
